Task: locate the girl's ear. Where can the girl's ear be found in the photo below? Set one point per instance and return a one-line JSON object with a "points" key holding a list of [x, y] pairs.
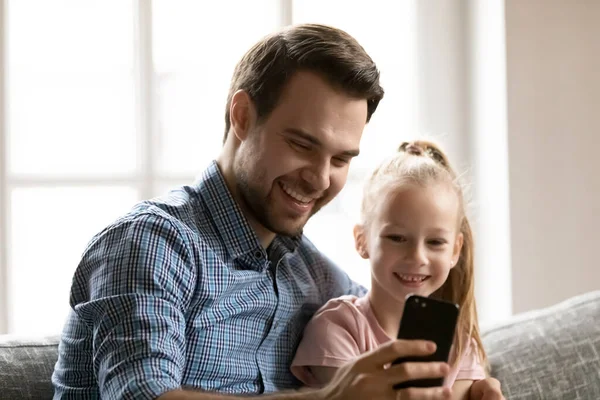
{"points": [[458, 244], [360, 241]]}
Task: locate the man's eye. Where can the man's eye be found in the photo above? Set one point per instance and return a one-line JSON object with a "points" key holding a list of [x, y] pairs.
{"points": [[341, 160], [299, 145]]}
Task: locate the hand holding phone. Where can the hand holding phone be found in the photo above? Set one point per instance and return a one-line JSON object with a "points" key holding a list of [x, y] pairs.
{"points": [[428, 319]]}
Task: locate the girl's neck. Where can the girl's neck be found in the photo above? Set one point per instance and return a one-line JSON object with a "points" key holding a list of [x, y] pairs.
{"points": [[387, 310]]}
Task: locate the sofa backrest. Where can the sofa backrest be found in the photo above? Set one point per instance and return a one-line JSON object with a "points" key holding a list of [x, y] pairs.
{"points": [[553, 353]]}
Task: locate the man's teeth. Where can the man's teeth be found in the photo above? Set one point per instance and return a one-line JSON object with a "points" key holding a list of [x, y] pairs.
{"points": [[295, 194], [413, 278]]}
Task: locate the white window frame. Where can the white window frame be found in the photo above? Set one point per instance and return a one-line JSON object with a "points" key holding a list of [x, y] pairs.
{"points": [[146, 177], [4, 203]]}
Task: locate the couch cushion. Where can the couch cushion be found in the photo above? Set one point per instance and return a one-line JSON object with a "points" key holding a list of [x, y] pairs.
{"points": [[26, 367], [553, 353]]}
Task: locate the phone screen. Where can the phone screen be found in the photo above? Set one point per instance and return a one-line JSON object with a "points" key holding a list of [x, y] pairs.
{"points": [[428, 319]]}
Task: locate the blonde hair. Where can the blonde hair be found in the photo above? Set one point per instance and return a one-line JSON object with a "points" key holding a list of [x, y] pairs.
{"points": [[423, 163]]}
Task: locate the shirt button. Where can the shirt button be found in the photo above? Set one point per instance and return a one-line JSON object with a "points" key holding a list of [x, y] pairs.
{"points": [[258, 254]]}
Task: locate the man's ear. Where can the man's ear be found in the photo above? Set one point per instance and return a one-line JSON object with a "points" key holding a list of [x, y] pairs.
{"points": [[360, 241], [241, 114], [458, 244]]}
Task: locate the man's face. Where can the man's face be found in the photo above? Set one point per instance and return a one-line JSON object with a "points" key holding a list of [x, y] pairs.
{"points": [[297, 159]]}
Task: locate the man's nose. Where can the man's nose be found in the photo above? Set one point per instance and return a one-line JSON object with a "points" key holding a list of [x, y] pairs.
{"points": [[318, 176]]}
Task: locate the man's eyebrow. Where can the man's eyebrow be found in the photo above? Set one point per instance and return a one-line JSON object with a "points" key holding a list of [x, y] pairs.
{"points": [[304, 135], [351, 153], [313, 140]]}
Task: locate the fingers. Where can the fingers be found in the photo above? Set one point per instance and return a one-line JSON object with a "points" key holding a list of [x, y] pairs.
{"points": [[393, 350], [415, 370], [424, 394], [367, 374]]}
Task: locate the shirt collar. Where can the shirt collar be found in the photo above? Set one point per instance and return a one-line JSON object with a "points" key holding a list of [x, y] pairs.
{"points": [[238, 237]]}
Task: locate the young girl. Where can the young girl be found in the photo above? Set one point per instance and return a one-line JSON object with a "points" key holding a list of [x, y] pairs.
{"points": [[417, 237]]}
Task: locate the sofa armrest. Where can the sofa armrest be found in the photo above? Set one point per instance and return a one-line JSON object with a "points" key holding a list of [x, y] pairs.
{"points": [[553, 353]]}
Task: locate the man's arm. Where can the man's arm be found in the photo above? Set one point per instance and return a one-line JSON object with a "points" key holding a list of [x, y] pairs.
{"points": [[364, 378], [131, 289], [190, 395]]}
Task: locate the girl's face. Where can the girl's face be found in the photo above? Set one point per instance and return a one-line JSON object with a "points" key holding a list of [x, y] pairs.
{"points": [[412, 240]]}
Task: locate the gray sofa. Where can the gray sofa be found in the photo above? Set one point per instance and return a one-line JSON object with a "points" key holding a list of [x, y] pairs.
{"points": [[553, 353]]}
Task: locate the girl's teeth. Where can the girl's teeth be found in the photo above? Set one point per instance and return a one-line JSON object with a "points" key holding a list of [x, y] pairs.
{"points": [[413, 278]]}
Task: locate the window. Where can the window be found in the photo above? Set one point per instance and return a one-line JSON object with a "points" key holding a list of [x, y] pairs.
{"points": [[195, 49], [385, 30], [70, 145], [107, 103]]}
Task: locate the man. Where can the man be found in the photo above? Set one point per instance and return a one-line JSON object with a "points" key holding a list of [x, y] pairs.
{"points": [[206, 291]]}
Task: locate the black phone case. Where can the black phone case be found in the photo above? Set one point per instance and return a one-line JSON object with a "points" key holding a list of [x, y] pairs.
{"points": [[428, 319]]}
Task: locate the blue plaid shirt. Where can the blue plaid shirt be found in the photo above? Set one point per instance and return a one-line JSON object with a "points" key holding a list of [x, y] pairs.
{"points": [[180, 293]]}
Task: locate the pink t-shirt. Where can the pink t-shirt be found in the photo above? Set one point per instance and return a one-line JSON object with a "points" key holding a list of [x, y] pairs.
{"points": [[345, 328]]}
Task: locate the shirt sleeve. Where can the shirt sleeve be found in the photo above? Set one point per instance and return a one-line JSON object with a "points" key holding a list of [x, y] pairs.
{"points": [[131, 289], [336, 282], [470, 366], [340, 282], [329, 340]]}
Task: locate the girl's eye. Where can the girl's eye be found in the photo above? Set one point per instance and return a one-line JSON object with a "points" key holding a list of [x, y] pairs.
{"points": [[396, 238], [437, 242]]}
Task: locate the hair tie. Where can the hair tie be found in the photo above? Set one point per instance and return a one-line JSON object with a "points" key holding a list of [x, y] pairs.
{"points": [[412, 148]]}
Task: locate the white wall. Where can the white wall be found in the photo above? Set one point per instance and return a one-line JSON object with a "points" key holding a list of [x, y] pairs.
{"points": [[486, 38], [553, 75], [513, 88], [441, 92], [3, 278], [462, 97]]}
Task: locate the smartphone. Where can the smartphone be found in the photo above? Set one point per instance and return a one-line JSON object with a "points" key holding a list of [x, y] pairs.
{"points": [[428, 319]]}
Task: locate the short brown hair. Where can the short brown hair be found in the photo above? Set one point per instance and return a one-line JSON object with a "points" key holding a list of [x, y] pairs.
{"points": [[330, 52]]}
